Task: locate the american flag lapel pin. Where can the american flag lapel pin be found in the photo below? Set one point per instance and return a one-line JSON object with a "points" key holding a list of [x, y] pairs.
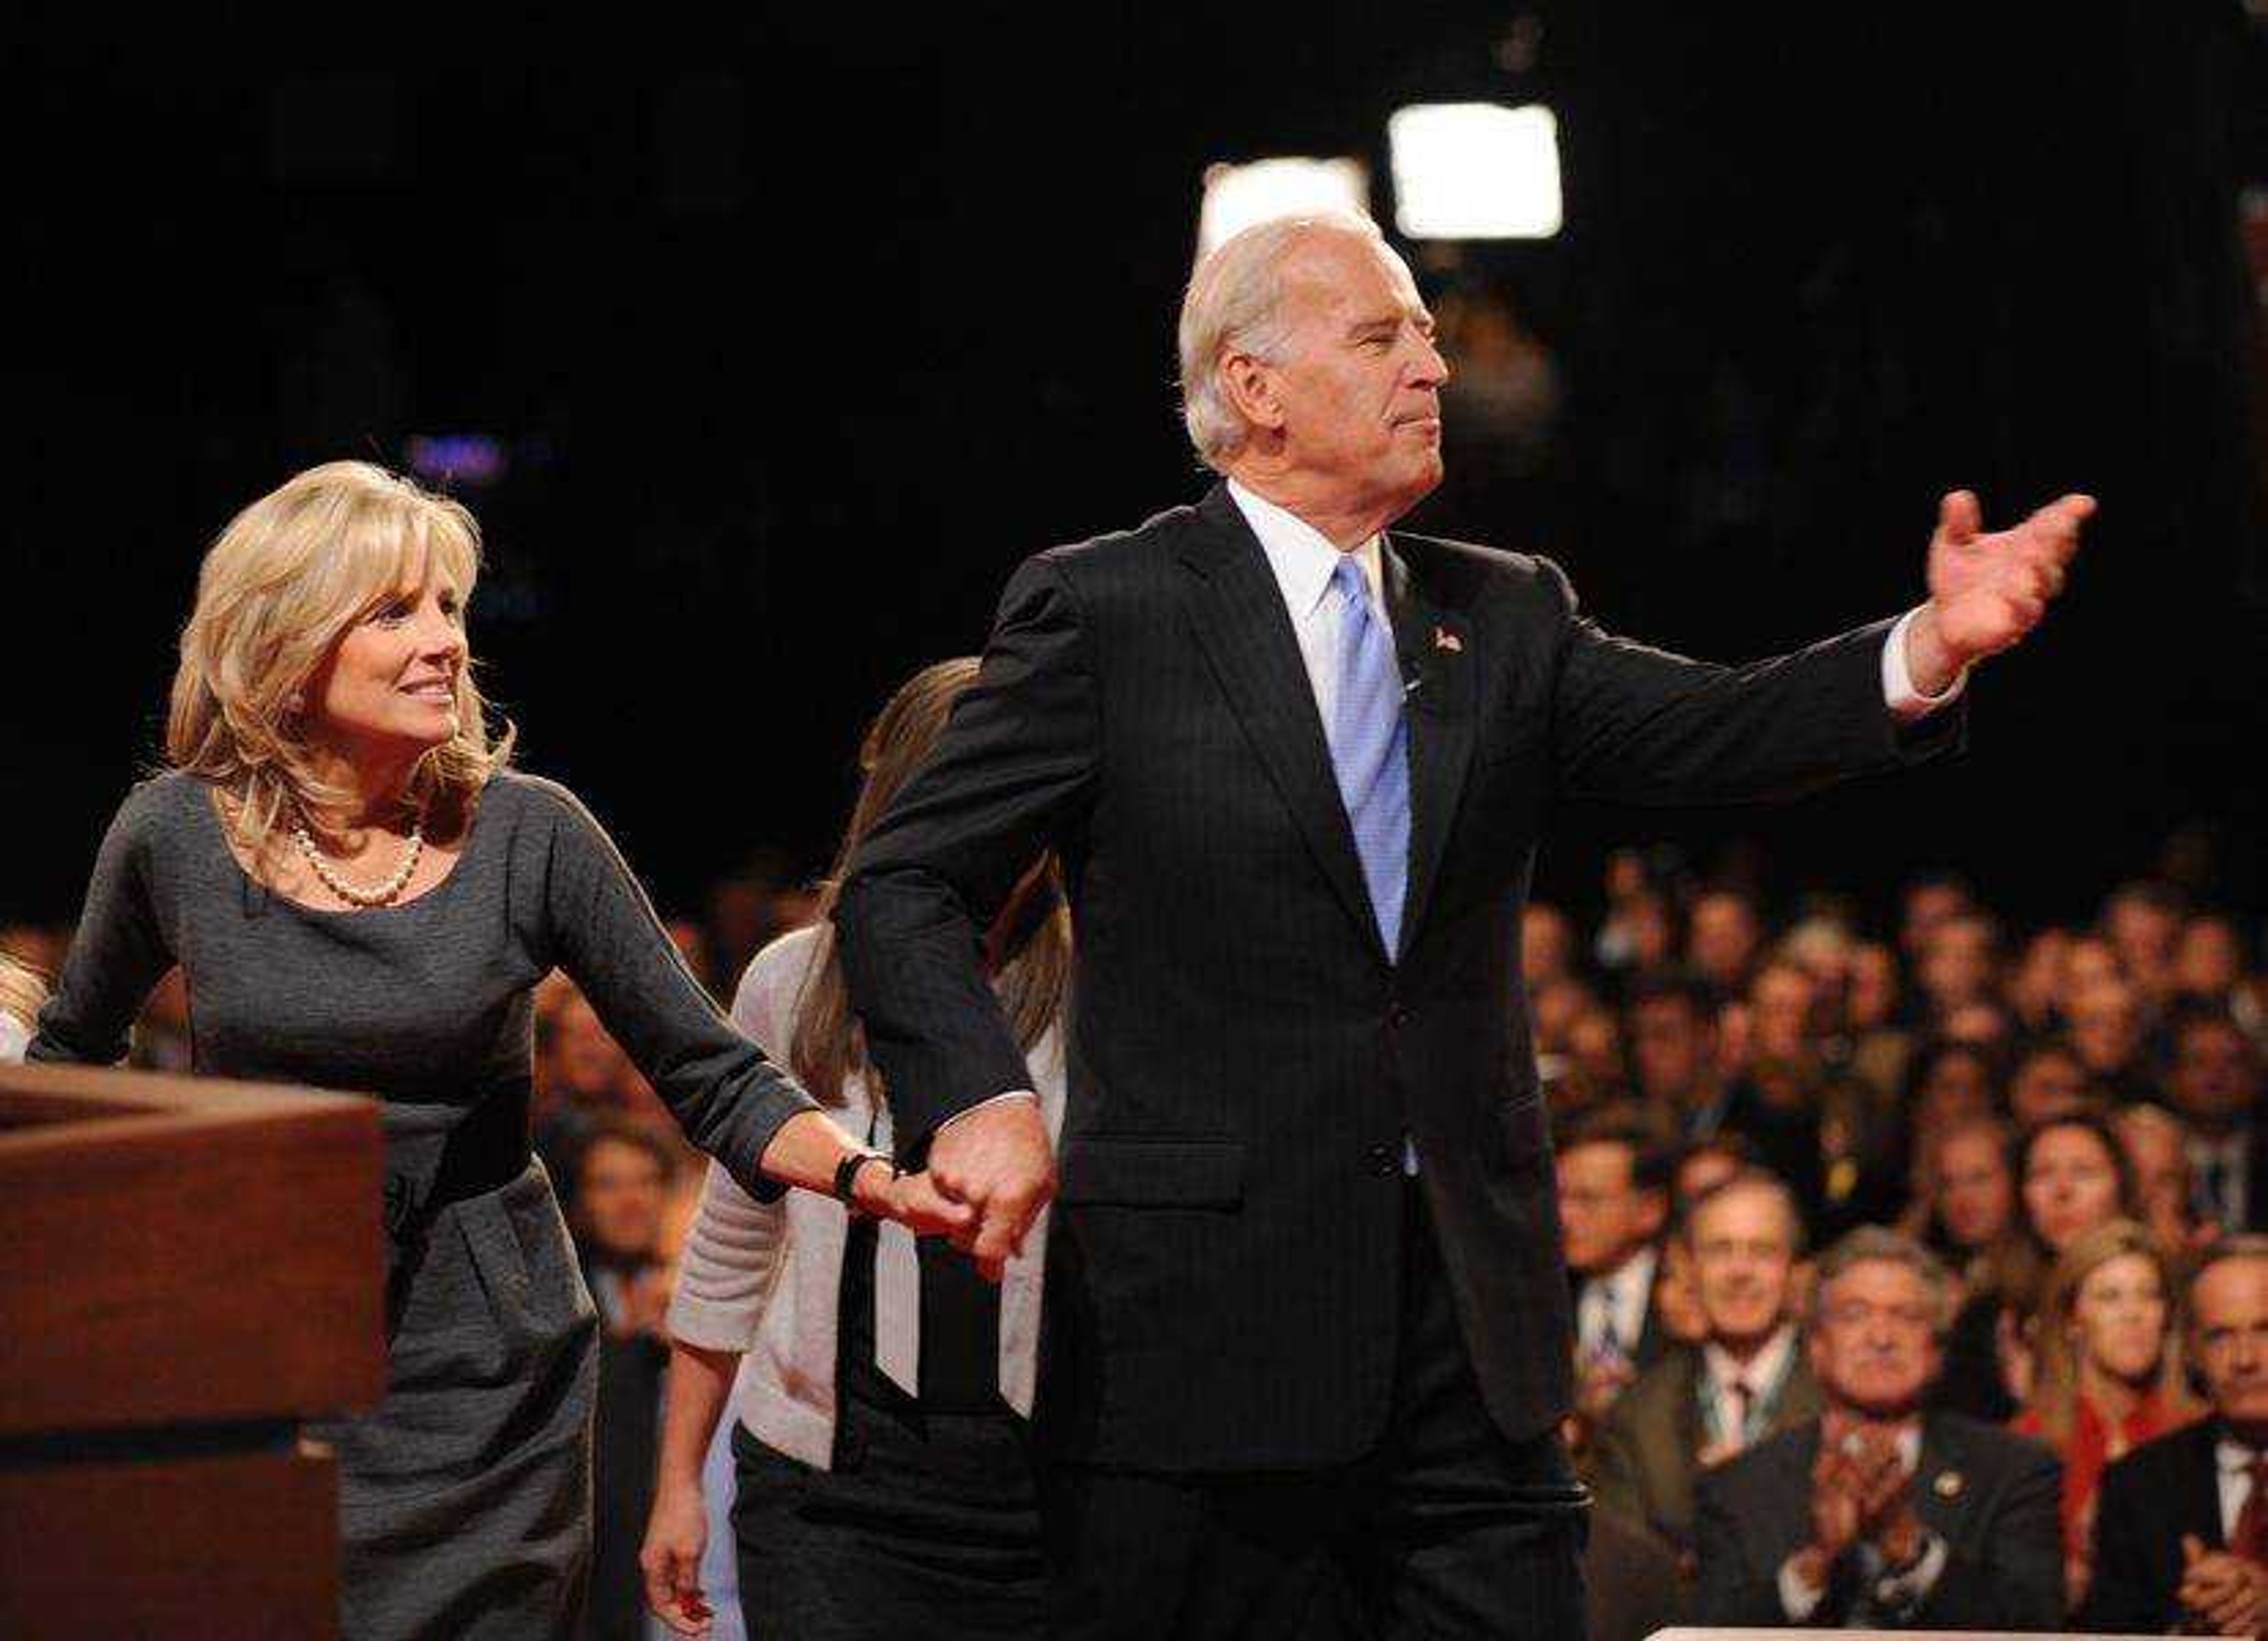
{"points": [[1444, 639]]}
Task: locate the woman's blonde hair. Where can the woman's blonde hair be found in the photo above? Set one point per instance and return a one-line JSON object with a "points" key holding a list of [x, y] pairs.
{"points": [[23, 990], [2055, 1384], [279, 588]]}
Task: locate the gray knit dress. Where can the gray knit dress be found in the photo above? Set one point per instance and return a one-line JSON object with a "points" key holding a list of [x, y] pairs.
{"points": [[465, 1506]]}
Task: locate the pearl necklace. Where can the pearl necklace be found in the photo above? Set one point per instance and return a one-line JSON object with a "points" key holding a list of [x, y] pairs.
{"points": [[354, 894]]}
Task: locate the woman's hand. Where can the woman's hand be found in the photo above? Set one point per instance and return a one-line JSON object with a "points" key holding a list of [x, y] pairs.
{"points": [[675, 1534]]}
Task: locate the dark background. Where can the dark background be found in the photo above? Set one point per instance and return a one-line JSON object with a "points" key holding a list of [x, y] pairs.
{"points": [[798, 335]]}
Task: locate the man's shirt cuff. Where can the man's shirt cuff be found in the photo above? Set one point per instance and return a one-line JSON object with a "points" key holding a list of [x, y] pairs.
{"points": [[1907, 703], [1012, 1093]]}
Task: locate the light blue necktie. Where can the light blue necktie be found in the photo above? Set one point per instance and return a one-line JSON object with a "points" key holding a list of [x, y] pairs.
{"points": [[1370, 749]]}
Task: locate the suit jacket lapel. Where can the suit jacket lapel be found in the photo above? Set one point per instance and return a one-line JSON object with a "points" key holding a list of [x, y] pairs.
{"points": [[1436, 646], [1238, 611]]}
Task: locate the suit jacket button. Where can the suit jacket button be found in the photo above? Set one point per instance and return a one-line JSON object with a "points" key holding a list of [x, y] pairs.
{"points": [[1384, 1161], [1397, 1016]]}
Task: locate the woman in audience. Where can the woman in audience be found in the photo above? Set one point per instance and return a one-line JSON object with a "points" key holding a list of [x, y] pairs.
{"points": [[2107, 1370], [22, 991], [2071, 1175], [1964, 1205], [361, 894], [885, 1485]]}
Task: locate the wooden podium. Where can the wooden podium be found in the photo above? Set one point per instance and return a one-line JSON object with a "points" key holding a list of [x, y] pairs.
{"points": [[188, 1269]]}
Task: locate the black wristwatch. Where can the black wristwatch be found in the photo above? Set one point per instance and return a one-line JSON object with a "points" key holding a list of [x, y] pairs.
{"points": [[846, 1174]]}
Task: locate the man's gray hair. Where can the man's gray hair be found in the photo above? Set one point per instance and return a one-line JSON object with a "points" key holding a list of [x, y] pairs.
{"points": [[1877, 1245], [1234, 304]]}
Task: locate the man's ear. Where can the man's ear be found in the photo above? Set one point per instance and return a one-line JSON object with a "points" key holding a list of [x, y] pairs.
{"points": [[1655, 1214], [1254, 388]]}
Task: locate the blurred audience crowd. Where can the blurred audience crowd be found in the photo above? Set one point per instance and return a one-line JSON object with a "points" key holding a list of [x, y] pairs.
{"points": [[1911, 1274]]}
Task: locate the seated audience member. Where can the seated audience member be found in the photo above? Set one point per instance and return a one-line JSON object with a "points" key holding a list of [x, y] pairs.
{"points": [[1880, 1045], [2211, 966], [1745, 1380], [1964, 1202], [1778, 1106], [620, 1199], [1960, 964], [1547, 946], [2071, 1175], [1930, 899], [2049, 1080], [1706, 1165], [582, 1075], [1594, 1058], [1614, 1201], [22, 991], [2105, 1029], [1953, 1082], [2212, 1079], [2143, 922], [1878, 1514], [1724, 939], [2032, 985], [2107, 1372], [2157, 1149], [2180, 1528], [1673, 1040]]}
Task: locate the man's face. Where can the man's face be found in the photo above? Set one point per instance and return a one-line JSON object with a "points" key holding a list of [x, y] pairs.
{"points": [[2047, 1083], [1781, 1004], [1974, 1196], [2228, 1337], [1670, 1046], [619, 1198], [2213, 1073], [1723, 938], [1873, 986], [2104, 1027], [1743, 1261], [1957, 964], [582, 1062], [1606, 1216], [1875, 1345], [1359, 388], [1927, 906]]}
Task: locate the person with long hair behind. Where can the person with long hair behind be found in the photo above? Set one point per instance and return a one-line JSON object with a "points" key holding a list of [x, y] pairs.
{"points": [[885, 1485], [2107, 1373], [361, 894]]}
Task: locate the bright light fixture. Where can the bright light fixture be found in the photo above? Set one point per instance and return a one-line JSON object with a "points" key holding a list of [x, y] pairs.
{"points": [[1475, 171], [1238, 196]]}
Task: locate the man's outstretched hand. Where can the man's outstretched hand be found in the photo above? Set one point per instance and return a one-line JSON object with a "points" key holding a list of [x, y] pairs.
{"points": [[996, 1159], [1988, 589]]}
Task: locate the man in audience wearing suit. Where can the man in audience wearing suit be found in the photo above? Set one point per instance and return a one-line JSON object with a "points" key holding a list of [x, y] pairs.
{"points": [[2181, 1529], [2212, 1077], [1701, 1406], [1614, 1178], [1307, 1310], [1876, 1514]]}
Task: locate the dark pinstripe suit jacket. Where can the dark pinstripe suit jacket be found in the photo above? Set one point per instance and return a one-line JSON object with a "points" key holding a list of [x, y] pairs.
{"points": [[1245, 1054]]}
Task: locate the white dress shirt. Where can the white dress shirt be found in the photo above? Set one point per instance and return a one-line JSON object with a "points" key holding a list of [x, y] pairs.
{"points": [[1740, 1418], [1618, 1301], [2234, 1461]]}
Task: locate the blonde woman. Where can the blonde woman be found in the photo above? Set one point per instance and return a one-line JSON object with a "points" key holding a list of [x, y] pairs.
{"points": [[21, 993], [362, 895], [885, 1481], [2108, 1369]]}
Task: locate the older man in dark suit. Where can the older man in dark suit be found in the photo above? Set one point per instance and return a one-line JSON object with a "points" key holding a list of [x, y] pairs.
{"points": [[1306, 1306], [1876, 1514], [2181, 1529]]}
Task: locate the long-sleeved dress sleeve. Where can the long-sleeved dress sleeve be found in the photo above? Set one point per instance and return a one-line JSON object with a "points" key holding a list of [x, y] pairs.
{"points": [[726, 1095], [118, 955], [732, 1253]]}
